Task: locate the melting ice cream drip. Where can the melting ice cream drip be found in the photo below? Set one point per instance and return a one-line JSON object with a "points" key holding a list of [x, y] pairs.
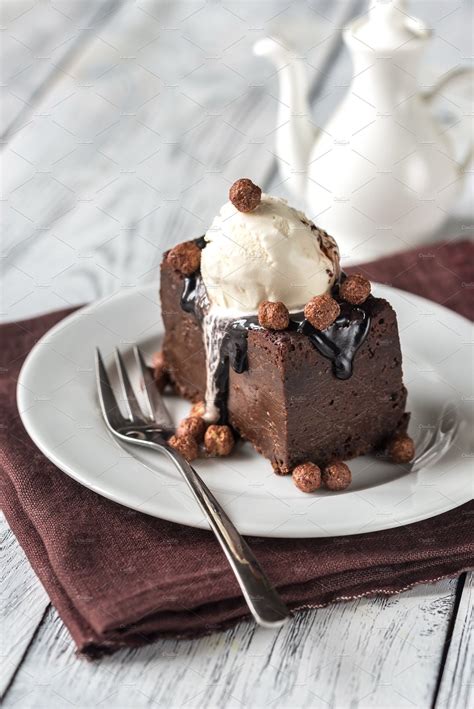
{"points": [[214, 329]]}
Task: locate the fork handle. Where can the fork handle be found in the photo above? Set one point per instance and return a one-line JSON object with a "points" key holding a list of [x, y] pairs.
{"points": [[262, 599]]}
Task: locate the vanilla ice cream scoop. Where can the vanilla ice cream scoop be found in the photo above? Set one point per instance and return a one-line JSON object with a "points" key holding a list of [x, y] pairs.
{"points": [[270, 253]]}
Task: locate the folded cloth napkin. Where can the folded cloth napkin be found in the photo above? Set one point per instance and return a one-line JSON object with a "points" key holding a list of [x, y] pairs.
{"points": [[121, 578]]}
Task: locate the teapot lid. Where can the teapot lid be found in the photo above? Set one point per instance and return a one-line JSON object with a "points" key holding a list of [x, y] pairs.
{"points": [[387, 25]]}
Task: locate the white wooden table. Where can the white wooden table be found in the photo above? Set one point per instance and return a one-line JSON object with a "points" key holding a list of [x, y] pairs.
{"points": [[123, 123]]}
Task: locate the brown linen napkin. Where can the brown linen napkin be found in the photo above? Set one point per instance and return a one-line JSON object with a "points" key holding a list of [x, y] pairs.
{"points": [[121, 578]]}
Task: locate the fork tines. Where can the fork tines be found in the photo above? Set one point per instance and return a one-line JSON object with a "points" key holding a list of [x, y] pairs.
{"points": [[153, 412]]}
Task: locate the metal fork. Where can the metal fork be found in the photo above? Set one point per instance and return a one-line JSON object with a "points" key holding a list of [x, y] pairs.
{"points": [[151, 428], [430, 448]]}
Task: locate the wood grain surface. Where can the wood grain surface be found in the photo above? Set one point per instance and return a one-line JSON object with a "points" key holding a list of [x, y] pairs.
{"points": [[123, 125], [371, 653]]}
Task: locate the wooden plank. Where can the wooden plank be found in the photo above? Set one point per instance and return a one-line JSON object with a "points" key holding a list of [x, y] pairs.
{"points": [[24, 602], [131, 147], [381, 652], [115, 108], [457, 682], [38, 41], [165, 108]]}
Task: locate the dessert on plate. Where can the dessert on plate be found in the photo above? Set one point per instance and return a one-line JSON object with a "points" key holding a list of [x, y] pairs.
{"points": [[271, 341]]}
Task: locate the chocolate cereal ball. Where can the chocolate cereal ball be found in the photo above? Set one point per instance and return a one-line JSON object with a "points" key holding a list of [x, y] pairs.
{"points": [[273, 315], [355, 289], [321, 311], [218, 440], [244, 195], [198, 409], [185, 258], [401, 449], [193, 426], [337, 476], [160, 371], [307, 477], [186, 445]]}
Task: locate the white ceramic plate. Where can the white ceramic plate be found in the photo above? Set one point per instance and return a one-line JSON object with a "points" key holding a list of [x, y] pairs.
{"points": [[59, 408]]}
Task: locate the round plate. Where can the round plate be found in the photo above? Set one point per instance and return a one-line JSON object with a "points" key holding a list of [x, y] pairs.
{"points": [[58, 405]]}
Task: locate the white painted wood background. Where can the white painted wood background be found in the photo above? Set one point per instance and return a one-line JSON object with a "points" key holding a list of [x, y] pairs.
{"points": [[123, 124]]}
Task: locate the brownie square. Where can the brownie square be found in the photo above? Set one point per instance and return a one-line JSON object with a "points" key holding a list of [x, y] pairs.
{"points": [[288, 403]]}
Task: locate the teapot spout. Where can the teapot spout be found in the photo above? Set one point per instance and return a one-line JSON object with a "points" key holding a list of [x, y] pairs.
{"points": [[295, 134]]}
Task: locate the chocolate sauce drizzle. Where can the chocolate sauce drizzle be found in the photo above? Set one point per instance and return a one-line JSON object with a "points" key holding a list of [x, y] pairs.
{"points": [[189, 295], [339, 342]]}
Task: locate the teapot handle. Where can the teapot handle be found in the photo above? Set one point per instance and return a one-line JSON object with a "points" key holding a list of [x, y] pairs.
{"points": [[448, 78]]}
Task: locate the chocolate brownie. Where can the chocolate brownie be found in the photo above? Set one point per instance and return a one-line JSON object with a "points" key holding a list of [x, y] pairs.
{"points": [[285, 391]]}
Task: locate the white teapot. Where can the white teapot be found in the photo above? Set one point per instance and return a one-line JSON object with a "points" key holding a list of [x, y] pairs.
{"points": [[381, 175]]}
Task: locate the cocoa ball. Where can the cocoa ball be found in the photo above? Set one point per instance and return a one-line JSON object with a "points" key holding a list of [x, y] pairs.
{"points": [[218, 440], [244, 195], [307, 477], [198, 409], [321, 311], [160, 372], [355, 289], [337, 476], [273, 316], [193, 426], [401, 449], [185, 258], [186, 445], [280, 470]]}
